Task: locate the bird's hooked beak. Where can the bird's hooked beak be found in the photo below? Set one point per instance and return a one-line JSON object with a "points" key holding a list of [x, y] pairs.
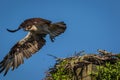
{"points": [[14, 30]]}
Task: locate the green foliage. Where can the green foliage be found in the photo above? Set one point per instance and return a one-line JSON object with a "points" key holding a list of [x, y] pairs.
{"points": [[108, 72], [61, 72]]}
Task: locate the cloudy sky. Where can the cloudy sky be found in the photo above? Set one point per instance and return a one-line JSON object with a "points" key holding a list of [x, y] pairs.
{"points": [[91, 25]]}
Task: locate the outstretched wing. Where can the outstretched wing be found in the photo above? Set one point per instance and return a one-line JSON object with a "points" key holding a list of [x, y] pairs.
{"points": [[56, 29], [23, 49]]}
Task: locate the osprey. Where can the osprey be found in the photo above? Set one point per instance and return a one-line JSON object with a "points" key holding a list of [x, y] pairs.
{"points": [[37, 29]]}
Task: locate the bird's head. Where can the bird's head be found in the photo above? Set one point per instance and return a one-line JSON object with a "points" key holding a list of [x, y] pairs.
{"points": [[29, 28], [31, 24]]}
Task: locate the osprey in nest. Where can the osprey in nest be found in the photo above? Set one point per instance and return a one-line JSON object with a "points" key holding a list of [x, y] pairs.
{"points": [[37, 29]]}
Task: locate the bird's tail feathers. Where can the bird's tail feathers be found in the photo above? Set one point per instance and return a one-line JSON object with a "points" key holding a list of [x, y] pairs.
{"points": [[56, 29]]}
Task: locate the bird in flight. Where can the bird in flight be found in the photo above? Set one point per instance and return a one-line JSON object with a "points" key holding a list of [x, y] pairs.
{"points": [[37, 29]]}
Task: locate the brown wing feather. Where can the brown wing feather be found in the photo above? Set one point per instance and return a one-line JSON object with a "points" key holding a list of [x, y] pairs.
{"points": [[23, 49]]}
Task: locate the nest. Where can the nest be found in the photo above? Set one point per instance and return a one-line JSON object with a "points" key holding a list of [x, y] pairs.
{"points": [[70, 65]]}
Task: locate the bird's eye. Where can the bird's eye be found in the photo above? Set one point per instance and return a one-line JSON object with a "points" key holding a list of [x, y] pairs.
{"points": [[29, 27]]}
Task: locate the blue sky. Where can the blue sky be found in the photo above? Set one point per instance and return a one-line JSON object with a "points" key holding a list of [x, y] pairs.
{"points": [[91, 25]]}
